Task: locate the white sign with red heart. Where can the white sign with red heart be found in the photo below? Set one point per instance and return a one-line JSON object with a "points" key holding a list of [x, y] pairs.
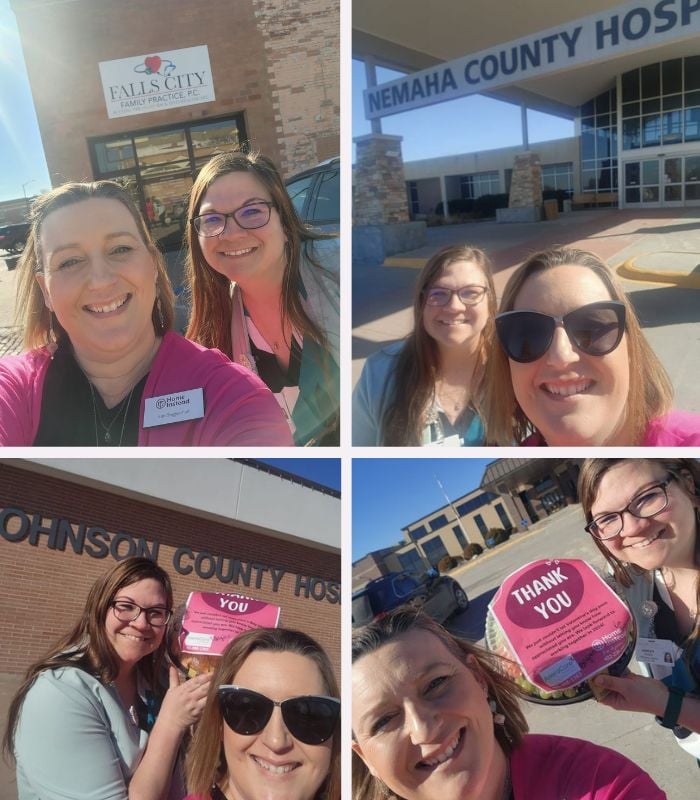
{"points": [[157, 81]]}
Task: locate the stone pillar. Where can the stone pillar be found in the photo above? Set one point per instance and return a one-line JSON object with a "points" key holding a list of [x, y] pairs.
{"points": [[525, 201], [381, 223]]}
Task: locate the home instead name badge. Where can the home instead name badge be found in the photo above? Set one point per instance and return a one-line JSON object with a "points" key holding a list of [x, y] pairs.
{"points": [[175, 407]]}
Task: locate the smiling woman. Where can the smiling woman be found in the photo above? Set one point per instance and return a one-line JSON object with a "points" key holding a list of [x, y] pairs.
{"points": [[433, 717], [571, 366], [92, 719], [265, 289], [103, 367], [427, 389], [270, 725]]}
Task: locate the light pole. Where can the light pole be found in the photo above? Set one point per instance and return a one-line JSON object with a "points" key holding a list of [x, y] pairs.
{"points": [[24, 192]]}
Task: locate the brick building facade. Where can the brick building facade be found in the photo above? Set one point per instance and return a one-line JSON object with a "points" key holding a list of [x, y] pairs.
{"points": [[275, 78], [45, 581]]}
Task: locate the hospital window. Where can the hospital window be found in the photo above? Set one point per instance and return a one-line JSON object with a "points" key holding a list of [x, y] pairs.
{"points": [[599, 143], [411, 561], [434, 550], [505, 519], [473, 186], [461, 538], [661, 104], [558, 177], [437, 522], [413, 197]]}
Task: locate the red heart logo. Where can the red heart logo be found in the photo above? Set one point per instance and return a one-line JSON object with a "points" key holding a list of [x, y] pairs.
{"points": [[152, 63]]}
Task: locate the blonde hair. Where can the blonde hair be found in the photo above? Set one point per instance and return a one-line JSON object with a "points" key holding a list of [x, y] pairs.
{"points": [[31, 312], [500, 689], [418, 363], [650, 390], [206, 763]]}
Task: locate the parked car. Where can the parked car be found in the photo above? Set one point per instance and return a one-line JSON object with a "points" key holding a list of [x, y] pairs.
{"points": [[14, 237], [437, 595], [315, 194]]}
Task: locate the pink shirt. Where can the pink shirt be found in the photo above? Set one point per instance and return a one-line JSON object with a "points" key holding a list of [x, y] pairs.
{"points": [[238, 408], [559, 768]]}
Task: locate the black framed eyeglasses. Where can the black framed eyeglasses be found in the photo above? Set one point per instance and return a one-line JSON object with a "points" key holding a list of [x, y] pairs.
{"points": [[595, 329], [653, 500], [441, 295], [126, 611], [249, 216], [311, 719]]}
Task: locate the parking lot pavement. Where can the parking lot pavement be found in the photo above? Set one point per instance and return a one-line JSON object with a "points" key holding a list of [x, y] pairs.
{"points": [[662, 244]]}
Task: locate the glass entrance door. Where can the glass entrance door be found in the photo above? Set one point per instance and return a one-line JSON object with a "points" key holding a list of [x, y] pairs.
{"points": [[663, 181]]}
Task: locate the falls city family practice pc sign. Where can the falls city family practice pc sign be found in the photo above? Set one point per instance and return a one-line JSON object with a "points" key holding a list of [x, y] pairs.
{"points": [[633, 26], [156, 81]]}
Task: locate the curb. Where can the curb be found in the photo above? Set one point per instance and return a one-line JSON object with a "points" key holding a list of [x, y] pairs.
{"points": [[628, 269]]}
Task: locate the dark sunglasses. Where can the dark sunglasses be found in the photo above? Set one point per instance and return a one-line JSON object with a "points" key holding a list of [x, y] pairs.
{"points": [[310, 719], [595, 329]]}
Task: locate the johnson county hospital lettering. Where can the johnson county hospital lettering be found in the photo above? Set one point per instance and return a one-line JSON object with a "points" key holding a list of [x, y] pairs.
{"points": [[625, 29]]}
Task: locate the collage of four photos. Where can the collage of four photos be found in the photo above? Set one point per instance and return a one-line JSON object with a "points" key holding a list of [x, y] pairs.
{"points": [[229, 231]]}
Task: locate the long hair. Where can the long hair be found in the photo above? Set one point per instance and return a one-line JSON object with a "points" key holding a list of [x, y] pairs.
{"points": [[650, 390], [206, 763], [87, 647], [501, 689], [418, 363], [590, 476], [212, 306], [31, 312]]}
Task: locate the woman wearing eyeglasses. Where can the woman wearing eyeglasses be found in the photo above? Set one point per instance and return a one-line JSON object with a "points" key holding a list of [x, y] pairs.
{"points": [[644, 517], [427, 389], [90, 720], [572, 366], [434, 718], [265, 289], [102, 367], [270, 727]]}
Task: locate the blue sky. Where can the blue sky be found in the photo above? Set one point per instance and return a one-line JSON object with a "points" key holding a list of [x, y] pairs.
{"points": [[389, 493], [325, 471], [458, 126], [21, 152]]}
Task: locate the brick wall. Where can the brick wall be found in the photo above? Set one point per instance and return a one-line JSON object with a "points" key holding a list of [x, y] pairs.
{"points": [[275, 61], [43, 590]]}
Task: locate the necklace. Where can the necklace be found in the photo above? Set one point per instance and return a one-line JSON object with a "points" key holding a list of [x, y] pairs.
{"points": [[123, 406]]}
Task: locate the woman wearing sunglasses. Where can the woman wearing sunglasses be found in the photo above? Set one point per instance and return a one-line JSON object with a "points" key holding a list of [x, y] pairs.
{"points": [[91, 719], [270, 728], [644, 517], [572, 367], [265, 290], [427, 389], [434, 718]]}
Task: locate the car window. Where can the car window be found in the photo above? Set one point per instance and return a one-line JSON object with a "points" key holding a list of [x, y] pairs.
{"points": [[361, 609], [298, 191], [327, 205], [404, 585]]}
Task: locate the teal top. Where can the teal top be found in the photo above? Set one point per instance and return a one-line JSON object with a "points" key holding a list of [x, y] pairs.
{"points": [[374, 394], [75, 740]]}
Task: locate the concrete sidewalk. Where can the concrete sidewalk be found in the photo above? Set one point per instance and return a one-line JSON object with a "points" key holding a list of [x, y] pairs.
{"points": [[656, 253]]}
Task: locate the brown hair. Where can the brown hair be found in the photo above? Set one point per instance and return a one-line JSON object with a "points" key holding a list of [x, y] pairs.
{"points": [[206, 763], [30, 310], [501, 689], [650, 390], [417, 367], [210, 322], [592, 472], [87, 647]]}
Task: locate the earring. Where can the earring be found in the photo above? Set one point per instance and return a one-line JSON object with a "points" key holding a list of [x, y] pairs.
{"points": [[498, 718], [159, 311], [52, 345]]}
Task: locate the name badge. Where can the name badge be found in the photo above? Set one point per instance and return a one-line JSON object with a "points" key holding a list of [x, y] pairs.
{"points": [[448, 441], [175, 407], [656, 651]]}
